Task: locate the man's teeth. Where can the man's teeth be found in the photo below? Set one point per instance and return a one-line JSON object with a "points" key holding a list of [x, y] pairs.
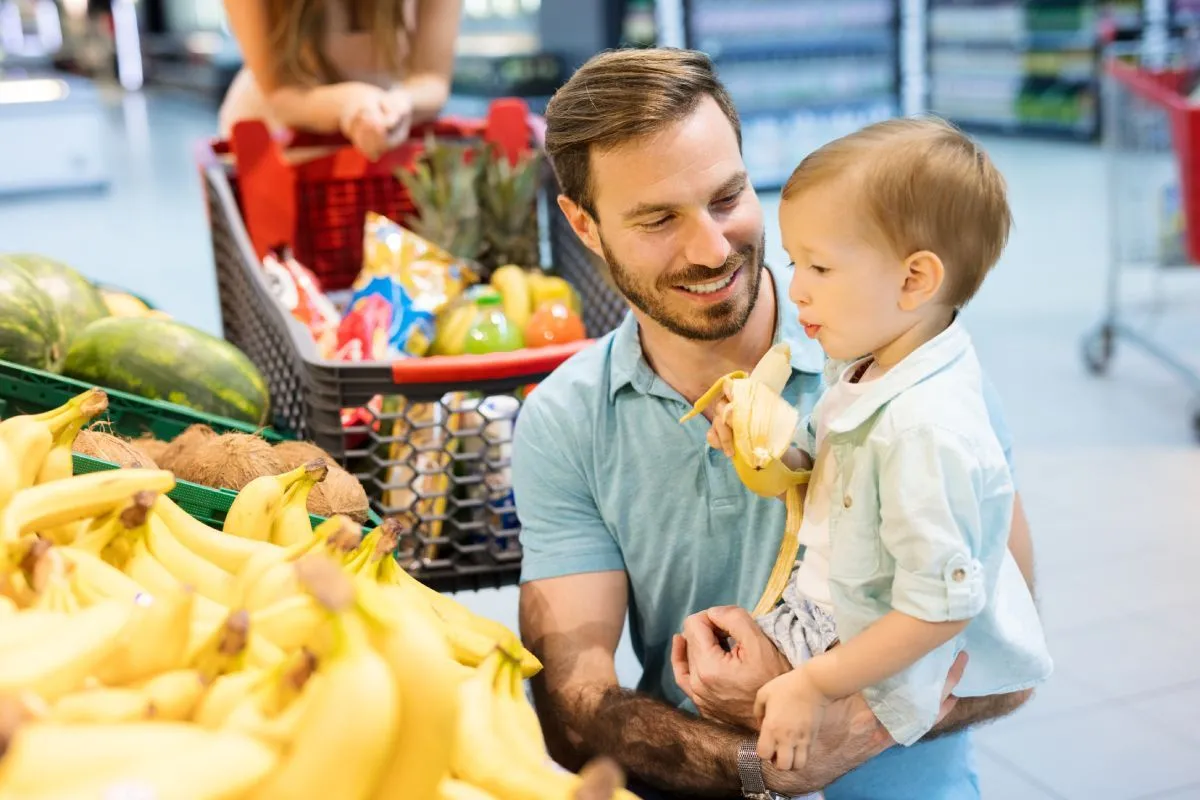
{"points": [[709, 288]]}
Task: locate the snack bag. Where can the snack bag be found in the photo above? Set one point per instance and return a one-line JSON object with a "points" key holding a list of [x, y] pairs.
{"points": [[416, 278], [297, 289]]}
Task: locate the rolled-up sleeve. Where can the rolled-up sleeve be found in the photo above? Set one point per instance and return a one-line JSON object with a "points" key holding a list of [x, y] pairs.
{"points": [[930, 497], [562, 532]]}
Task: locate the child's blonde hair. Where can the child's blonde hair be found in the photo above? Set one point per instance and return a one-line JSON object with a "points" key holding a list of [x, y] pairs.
{"points": [[924, 185]]}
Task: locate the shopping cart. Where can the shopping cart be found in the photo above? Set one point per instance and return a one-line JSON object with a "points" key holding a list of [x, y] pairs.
{"points": [[429, 438], [1152, 147]]}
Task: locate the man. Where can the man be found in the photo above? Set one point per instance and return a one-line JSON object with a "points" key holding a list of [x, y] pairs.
{"points": [[624, 510]]}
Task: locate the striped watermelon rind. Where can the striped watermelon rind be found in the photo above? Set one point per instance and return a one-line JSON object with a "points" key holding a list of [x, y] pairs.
{"points": [[162, 359], [31, 331], [78, 301]]}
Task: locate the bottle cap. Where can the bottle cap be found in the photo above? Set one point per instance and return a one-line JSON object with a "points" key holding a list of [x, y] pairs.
{"points": [[488, 300]]}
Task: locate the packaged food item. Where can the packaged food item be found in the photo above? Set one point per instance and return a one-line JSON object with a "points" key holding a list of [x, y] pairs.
{"points": [[298, 290], [414, 276], [363, 332]]}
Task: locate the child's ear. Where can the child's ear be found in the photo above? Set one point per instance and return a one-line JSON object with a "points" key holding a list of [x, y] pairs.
{"points": [[924, 274]]}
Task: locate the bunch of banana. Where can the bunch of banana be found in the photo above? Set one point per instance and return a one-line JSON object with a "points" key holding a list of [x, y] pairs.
{"points": [[764, 426], [151, 655]]}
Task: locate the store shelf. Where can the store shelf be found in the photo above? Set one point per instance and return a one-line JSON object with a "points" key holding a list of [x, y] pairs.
{"points": [[801, 72], [1022, 66]]}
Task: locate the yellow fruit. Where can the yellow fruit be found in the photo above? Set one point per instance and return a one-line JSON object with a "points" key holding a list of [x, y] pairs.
{"points": [[292, 524], [253, 510], [230, 553], [123, 304], [764, 426], [513, 284]]}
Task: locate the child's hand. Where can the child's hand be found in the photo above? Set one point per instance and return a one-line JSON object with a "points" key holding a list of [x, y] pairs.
{"points": [[720, 435], [789, 711]]}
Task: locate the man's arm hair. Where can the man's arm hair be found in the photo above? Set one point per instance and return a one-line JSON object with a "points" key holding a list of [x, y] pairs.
{"points": [[573, 625]]}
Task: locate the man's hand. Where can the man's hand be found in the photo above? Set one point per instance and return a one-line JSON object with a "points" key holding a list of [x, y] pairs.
{"points": [[723, 683], [789, 710]]}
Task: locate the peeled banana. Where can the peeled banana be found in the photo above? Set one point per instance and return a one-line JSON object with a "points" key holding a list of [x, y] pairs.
{"points": [[764, 426]]}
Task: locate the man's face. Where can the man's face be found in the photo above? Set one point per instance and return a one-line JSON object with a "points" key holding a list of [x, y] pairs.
{"points": [[680, 226]]}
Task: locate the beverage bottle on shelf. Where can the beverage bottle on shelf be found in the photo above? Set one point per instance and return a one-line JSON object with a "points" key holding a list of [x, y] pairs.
{"points": [[491, 331]]}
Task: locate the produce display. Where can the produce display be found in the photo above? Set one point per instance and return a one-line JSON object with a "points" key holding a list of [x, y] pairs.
{"points": [[54, 319], [144, 654]]}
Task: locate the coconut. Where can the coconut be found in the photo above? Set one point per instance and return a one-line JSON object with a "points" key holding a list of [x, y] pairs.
{"points": [[228, 461], [191, 437], [339, 493], [150, 447], [113, 449]]}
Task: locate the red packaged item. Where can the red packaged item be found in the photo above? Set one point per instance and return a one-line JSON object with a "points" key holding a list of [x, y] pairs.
{"points": [[362, 334], [297, 289]]}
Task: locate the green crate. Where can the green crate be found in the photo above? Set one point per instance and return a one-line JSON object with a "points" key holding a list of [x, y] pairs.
{"points": [[208, 505], [31, 391]]}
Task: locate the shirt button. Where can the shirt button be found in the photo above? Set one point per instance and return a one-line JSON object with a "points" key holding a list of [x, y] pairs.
{"points": [[959, 575], [847, 501]]}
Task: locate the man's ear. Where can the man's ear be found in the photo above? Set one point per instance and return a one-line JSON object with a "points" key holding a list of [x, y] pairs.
{"points": [[924, 275], [582, 223]]}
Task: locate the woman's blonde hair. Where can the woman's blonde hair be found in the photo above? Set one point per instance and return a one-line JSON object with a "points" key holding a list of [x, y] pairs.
{"points": [[298, 36]]}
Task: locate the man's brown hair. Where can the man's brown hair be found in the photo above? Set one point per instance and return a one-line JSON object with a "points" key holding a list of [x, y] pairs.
{"points": [[923, 185], [620, 96]]}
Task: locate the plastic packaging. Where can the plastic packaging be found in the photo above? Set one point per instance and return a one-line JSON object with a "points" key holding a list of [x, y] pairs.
{"points": [[491, 331], [298, 290]]}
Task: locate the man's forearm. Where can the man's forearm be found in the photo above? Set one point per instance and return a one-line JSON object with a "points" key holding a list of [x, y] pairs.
{"points": [[653, 741], [970, 711]]}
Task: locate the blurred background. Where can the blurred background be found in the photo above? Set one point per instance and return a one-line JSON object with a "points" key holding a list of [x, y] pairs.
{"points": [[1090, 327]]}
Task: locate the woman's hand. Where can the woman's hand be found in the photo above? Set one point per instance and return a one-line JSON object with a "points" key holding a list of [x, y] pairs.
{"points": [[370, 117]]}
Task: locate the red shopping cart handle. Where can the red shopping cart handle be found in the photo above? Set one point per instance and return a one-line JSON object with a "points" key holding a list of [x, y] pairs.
{"points": [[528, 363]]}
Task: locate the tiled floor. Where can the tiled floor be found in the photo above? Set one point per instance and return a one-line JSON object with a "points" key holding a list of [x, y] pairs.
{"points": [[1108, 468]]}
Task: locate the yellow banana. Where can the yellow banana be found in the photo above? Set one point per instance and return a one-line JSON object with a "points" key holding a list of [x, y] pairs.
{"points": [[292, 525], [103, 704], [289, 623], [42, 442], [354, 695], [483, 758], [94, 579], [253, 510], [266, 581], [426, 686], [230, 553], [225, 694], [513, 284], [174, 695], [471, 635], [155, 641], [10, 473], [29, 441], [56, 503], [54, 665], [30, 625], [163, 760], [208, 579], [524, 742], [454, 789], [220, 650], [274, 707], [764, 426]]}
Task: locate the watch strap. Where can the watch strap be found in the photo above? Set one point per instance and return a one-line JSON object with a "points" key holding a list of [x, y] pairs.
{"points": [[750, 771]]}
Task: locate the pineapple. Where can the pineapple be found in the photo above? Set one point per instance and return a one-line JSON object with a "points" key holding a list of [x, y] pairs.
{"points": [[444, 190], [507, 198]]}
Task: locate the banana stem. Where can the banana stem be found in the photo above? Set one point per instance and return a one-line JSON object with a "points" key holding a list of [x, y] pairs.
{"points": [[794, 501]]}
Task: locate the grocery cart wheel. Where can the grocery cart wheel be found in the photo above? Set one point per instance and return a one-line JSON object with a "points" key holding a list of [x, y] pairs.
{"points": [[1098, 350]]}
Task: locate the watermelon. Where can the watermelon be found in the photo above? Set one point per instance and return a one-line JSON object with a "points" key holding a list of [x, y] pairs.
{"points": [[31, 333], [162, 359], [79, 303]]}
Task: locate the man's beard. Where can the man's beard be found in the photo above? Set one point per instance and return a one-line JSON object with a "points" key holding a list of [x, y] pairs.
{"points": [[717, 321]]}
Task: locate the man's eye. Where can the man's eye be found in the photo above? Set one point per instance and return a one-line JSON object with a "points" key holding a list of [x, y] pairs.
{"points": [[656, 224], [729, 200]]}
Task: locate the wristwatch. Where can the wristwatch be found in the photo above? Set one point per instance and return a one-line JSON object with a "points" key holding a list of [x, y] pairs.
{"points": [[750, 771]]}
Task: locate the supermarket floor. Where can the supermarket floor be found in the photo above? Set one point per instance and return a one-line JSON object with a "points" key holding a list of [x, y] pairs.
{"points": [[1108, 468]]}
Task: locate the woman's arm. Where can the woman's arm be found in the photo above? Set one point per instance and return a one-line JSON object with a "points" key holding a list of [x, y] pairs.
{"points": [[319, 108], [431, 60], [893, 643]]}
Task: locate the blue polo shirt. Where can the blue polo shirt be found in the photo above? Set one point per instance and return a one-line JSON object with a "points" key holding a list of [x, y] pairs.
{"points": [[606, 478]]}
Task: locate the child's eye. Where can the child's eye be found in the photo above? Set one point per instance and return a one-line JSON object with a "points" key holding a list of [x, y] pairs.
{"points": [[818, 269]]}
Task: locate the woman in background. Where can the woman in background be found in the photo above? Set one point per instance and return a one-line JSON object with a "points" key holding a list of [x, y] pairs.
{"points": [[367, 68]]}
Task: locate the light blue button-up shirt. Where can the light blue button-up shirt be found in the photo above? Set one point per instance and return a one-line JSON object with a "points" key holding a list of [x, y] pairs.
{"points": [[605, 478], [919, 521]]}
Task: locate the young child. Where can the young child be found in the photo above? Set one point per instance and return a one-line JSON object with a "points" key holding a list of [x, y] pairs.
{"points": [[892, 230]]}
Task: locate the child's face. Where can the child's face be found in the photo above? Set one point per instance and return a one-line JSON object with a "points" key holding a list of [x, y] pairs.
{"points": [[847, 288]]}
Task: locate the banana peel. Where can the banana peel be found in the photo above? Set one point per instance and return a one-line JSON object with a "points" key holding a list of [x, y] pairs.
{"points": [[763, 424]]}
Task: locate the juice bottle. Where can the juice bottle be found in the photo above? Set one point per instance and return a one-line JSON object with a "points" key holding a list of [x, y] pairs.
{"points": [[553, 323], [491, 332]]}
